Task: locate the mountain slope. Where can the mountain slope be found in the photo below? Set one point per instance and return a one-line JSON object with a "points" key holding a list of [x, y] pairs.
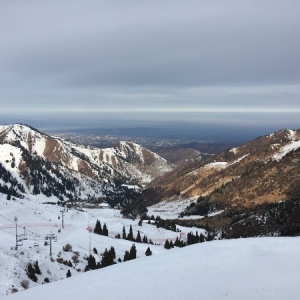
{"points": [[264, 268], [38, 163], [259, 171]]}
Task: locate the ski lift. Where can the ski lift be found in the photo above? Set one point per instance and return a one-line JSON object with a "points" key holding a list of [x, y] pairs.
{"points": [[46, 243], [58, 217]]}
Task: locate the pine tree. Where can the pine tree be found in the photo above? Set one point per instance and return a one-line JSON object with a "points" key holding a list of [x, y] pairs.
{"points": [[145, 240], [105, 230], [30, 271], [167, 245], [108, 257], [197, 238], [91, 263], [130, 234], [98, 228], [124, 233], [132, 252], [138, 237], [112, 253], [126, 256], [37, 268], [68, 274], [171, 244], [148, 252], [105, 259], [201, 238]]}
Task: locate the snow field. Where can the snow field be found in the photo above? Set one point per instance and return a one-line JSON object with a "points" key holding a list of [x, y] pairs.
{"points": [[253, 268], [42, 219]]}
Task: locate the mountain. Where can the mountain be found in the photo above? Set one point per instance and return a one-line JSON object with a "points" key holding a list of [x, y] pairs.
{"points": [[260, 171], [33, 162]]}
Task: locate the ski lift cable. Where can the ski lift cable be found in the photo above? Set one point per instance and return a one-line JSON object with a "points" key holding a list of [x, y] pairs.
{"points": [[7, 219], [7, 232]]}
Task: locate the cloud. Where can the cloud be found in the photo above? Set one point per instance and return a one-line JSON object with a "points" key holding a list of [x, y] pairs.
{"points": [[150, 56]]}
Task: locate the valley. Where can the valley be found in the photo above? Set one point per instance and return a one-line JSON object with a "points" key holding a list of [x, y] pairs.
{"points": [[54, 192]]}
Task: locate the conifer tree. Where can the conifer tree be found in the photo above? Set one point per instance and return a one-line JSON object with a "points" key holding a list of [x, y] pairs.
{"points": [[98, 228], [105, 259], [105, 230], [126, 256], [171, 244], [124, 233], [148, 252], [30, 271], [138, 237], [197, 238], [68, 274], [91, 263], [112, 253], [201, 238], [167, 245], [130, 234], [37, 268], [145, 240], [108, 257], [177, 243], [132, 252]]}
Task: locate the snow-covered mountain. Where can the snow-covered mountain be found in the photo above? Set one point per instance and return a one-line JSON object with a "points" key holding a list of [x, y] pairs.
{"points": [[262, 170], [33, 162]]}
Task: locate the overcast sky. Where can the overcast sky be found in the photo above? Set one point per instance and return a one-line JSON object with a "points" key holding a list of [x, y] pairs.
{"points": [[166, 56]]}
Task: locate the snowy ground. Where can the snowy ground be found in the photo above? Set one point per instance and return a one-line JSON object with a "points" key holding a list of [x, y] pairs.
{"points": [[171, 209], [257, 268], [42, 219], [254, 268]]}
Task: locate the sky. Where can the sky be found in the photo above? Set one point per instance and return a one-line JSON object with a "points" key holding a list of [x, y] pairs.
{"points": [[195, 61]]}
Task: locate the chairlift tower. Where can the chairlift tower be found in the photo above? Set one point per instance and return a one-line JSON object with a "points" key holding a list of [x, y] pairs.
{"points": [[49, 237], [62, 218], [16, 221]]}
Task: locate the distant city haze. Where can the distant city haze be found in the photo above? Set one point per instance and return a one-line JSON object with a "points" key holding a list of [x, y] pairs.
{"points": [[217, 127]]}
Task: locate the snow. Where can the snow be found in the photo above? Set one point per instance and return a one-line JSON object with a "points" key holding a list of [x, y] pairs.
{"points": [[239, 159], [254, 268], [218, 165], [293, 145], [42, 219], [169, 209], [291, 134], [234, 150]]}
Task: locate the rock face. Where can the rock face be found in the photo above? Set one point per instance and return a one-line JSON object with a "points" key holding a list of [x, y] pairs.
{"points": [[259, 171], [33, 162]]}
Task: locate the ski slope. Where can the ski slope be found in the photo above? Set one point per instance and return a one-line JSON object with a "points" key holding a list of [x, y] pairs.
{"points": [[254, 268], [40, 220]]}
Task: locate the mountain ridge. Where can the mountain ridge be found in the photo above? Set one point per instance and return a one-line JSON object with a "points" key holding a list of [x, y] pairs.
{"points": [[258, 171], [38, 160]]}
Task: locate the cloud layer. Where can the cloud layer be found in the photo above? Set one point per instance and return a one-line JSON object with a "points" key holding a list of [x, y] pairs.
{"points": [[153, 56]]}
